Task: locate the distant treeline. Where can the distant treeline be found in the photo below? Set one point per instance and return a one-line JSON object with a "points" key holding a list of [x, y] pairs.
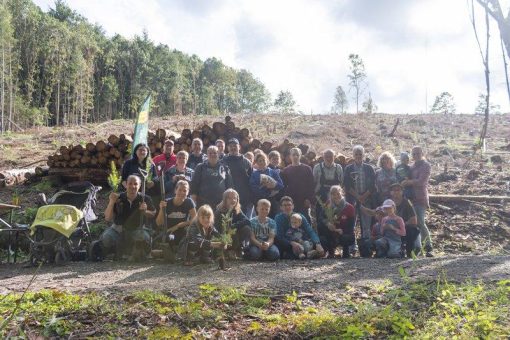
{"points": [[57, 68]]}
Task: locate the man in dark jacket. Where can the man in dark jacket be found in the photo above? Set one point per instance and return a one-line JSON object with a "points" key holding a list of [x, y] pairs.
{"points": [[240, 169], [210, 180], [359, 184]]}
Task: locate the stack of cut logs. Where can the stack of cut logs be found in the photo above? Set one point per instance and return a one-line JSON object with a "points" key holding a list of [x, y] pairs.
{"points": [[92, 160]]}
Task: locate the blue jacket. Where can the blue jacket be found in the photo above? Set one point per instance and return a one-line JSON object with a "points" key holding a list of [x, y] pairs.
{"points": [[283, 224], [259, 191]]}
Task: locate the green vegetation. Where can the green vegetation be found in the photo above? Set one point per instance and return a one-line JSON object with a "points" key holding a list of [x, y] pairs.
{"points": [[58, 68], [421, 310]]}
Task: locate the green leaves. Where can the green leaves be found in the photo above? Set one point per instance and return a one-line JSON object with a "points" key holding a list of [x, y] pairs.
{"points": [[114, 178]]}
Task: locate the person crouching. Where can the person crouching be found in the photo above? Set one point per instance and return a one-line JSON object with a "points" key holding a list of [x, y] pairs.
{"points": [[393, 229], [127, 233], [198, 242]]}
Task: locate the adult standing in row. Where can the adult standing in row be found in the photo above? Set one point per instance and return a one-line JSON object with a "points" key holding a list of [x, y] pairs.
{"points": [[140, 160], [298, 182], [167, 156], [210, 180], [196, 156], [359, 183], [385, 176], [241, 170], [266, 183], [420, 173], [326, 174], [178, 172]]}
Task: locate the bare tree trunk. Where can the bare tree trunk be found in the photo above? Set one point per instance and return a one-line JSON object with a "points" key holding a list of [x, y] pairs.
{"points": [[483, 133], [505, 65], [11, 90], [2, 98]]}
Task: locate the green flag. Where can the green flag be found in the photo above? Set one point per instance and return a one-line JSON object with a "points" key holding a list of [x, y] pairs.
{"points": [[142, 124]]}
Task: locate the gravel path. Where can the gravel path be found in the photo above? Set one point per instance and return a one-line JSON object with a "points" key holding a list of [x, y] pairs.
{"points": [[283, 276]]}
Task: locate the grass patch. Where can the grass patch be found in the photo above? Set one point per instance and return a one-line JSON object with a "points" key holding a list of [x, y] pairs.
{"points": [[421, 310]]}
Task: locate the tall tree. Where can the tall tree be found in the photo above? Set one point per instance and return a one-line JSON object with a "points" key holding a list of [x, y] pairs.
{"points": [[284, 102], [340, 102], [369, 105], [357, 78], [443, 104]]}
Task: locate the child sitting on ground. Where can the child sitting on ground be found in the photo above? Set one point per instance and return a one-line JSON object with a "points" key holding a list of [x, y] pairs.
{"points": [[297, 235], [198, 237], [392, 230], [404, 172], [263, 231]]}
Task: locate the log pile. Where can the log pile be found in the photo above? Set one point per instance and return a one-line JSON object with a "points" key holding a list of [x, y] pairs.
{"points": [[117, 148]]}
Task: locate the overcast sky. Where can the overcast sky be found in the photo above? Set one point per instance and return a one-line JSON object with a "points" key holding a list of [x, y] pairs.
{"points": [[410, 47]]}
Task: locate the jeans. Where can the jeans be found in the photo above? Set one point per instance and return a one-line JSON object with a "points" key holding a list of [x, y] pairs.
{"points": [[271, 254], [387, 247], [117, 242], [421, 212], [365, 222]]}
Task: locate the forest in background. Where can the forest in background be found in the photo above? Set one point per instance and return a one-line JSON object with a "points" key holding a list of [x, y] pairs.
{"points": [[57, 68]]}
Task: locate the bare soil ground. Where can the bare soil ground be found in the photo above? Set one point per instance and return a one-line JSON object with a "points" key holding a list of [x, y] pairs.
{"points": [[460, 230], [321, 276]]}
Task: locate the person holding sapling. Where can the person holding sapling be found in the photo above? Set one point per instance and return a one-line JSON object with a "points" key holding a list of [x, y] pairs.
{"points": [[283, 224], [336, 223], [266, 183], [199, 238], [393, 229], [177, 173], [297, 236], [140, 161], [263, 231], [231, 222], [179, 212], [124, 211]]}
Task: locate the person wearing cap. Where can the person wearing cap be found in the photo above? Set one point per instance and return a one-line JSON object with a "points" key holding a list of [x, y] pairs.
{"points": [[403, 171], [359, 184], [168, 157], [404, 209], [298, 184], [420, 175], [220, 144], [392, 229], [240, 170], [385, 176], [196, 156]]}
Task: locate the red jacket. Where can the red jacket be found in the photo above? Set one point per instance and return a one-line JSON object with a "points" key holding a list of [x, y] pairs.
{"points": [[169, 161]]}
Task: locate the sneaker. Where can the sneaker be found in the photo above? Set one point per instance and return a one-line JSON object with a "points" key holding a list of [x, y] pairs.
{"points": [[429, 254], [302, 256]]}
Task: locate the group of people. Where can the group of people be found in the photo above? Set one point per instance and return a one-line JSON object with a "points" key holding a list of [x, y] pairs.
{"points": [[251, 207]]}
